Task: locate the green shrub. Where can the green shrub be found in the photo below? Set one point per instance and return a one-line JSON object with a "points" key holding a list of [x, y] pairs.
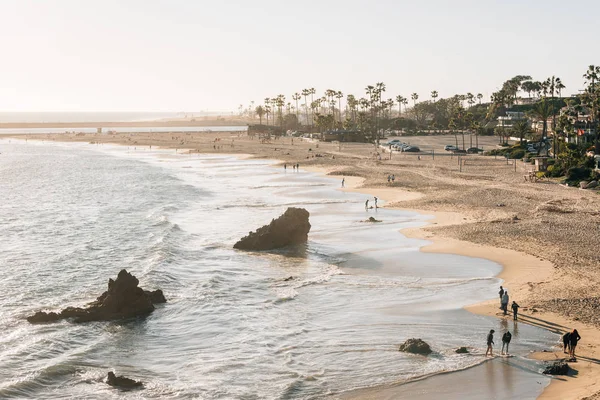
{"points": [[577, 174], [517, 154]]}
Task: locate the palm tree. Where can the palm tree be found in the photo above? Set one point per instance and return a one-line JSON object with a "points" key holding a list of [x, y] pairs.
{"points": [[559, 87], [405, 102], [305, 93], [260, 111], [414, 98], [434, 95], [479, 97], [521, 128], [542, 111], [296, 96], [267, 109], [339, 95], [399, 99], [470, 99], [592, 75]]}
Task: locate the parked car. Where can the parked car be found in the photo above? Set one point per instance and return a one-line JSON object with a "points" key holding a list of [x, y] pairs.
{"points": [[474, 150], [450, 147], [412, 149], [393, 142]]}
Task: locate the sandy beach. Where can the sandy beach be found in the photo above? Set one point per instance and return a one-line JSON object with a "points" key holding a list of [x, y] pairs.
{"points": [[543, 234]]}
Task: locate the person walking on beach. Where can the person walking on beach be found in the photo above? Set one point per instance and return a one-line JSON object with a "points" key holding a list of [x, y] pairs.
{"points": [[284, 166], [376, 203], [367, 205], [501, 293], [515, 308], [567, 343], [343, 181], [297, 166], [573, 339], [490, 342], [393, 178], [506, 341], [505, 302], [389, 179]]}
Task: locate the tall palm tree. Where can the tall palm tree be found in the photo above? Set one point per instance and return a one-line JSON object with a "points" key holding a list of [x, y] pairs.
{"points": [[434, 95], [405, 102], [414, 98], [267, 109], [479, 97], [470, 99], [306, 93], [296, 96], [592, 76], [399, 99], [339, 95], [559, 87]]}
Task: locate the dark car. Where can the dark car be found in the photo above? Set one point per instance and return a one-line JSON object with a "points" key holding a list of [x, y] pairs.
{"points": [[474, 150], [412, 149]]}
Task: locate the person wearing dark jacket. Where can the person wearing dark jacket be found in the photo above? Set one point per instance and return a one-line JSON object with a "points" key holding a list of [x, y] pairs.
{"points": [[501, 293], [573, 339], [506, 341], [515, 308]]}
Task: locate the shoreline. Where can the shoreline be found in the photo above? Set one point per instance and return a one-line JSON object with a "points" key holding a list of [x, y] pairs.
{"points": [[519, 271], [520, 281]]}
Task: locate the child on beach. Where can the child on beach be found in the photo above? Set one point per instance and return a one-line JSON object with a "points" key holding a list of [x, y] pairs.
{"points": [[490, 342]]}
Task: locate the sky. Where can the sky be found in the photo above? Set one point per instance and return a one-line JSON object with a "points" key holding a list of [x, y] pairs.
{"points": [[198, 55]]}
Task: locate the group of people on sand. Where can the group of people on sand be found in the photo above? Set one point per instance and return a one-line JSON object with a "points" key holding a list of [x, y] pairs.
{"points": [[570, 339], [391, 179], [296, 166], [367, 204]]}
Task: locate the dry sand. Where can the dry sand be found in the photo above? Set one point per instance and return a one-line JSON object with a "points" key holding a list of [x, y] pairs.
{"points": [[544, 234]]}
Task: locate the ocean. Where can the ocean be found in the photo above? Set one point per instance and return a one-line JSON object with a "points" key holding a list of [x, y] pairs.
{"points": [[235, 326]]}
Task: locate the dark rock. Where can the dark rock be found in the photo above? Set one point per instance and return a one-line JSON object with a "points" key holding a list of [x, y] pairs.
{"points": [[592, 185], [371, 219], [122, 382], [156, 297], [462, 350], [123, 299], [41, 316], [557, 368], [290, 228], [415, 346]]}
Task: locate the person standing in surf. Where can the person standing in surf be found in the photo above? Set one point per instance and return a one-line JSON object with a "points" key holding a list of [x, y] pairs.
{"points": [[501, 293], [515, 308], [376, 203], [506, 341], [490, 343], [343, 181], [367, 205]]}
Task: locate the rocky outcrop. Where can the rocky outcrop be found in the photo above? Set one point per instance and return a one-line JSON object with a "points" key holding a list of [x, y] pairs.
{"points": [[122, 382], [290, 228], [462, 350], [557, 368], [123, 299], [415, 346]]}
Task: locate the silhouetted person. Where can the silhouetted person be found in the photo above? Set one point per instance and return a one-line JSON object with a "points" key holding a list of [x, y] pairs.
{"points": [[501, 293], [567, 343], [343, 181], [376, 203], [490, 342], [284, 166], [573, 339], [506, 341], [367, 205], [515, 308]]}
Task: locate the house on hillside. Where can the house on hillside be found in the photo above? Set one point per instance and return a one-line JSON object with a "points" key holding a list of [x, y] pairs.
{"points": [[511, 118]]}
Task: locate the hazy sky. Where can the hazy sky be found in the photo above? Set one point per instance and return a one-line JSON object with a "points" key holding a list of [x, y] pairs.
{"points": [[192, 55]]}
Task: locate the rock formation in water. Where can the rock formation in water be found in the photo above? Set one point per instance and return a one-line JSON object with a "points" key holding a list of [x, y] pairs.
{"points": [[415, 346], [462, 350], [557, 368], [123, 299], [122, 382], [290, 228]]}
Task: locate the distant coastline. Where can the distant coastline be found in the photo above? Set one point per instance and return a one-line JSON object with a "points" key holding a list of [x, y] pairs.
{"points": [[105, 124]]}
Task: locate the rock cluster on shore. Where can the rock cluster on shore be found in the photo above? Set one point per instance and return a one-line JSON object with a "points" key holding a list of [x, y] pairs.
{"points": [[557, 368], [122, 382], [290, 228], [415, 346], [123, 299]]}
